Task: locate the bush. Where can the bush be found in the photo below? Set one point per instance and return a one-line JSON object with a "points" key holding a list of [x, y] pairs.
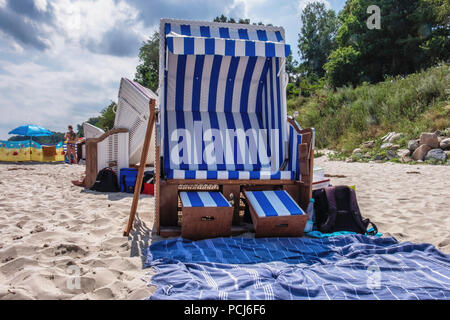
{"points": [[345, 118]]}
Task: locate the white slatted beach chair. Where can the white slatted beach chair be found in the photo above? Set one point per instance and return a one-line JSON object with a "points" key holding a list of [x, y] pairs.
{"points": [[91, 131], [222, 117], [133, 114]]}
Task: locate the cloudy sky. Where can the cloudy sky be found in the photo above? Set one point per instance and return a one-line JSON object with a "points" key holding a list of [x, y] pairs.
{"points": [[61, 60]]}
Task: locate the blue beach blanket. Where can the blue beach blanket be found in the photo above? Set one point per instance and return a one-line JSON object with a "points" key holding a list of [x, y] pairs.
{"points": [[343, 267]]}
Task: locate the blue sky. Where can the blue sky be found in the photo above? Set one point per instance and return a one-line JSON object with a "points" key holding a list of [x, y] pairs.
{"points": [[61, 60]]}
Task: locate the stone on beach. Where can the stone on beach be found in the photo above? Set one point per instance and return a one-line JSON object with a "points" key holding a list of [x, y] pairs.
{"points": [[413, 144], [420, 152], [445, 144], [436, 154], [430, 139]]}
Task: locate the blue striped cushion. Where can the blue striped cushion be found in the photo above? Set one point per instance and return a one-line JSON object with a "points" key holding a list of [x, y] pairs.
{"points": [[294, 140], [250, 98], [231, 175], [226, 47], [272, 34], [203, 199], [273, 203]]}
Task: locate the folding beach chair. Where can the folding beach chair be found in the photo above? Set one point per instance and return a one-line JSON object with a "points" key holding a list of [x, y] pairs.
{"points": [[222, 123], [123, 144], [133, 113]]}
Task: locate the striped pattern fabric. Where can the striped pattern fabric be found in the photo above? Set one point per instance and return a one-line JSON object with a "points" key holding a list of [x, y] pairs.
{"points": [[230, 175], [225, 47], [294, 140], [203, 199], [220, 31], [250, 99], [273, 203], [210, 93], [349, 267]]}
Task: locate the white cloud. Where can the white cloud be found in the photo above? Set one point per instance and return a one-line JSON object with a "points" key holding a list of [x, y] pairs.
{"points": [[70, 90], [88, 19], [41, 5], [75, 75]]}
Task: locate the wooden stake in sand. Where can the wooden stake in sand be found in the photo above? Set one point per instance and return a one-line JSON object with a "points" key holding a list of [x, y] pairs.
{"points": [[141, 168]]}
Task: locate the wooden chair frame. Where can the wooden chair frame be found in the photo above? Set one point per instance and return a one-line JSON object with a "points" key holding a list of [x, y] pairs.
{"points": [[91, 156]]}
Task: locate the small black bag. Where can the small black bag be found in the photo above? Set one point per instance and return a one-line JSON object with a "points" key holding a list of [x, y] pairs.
{"points": [[336, 209], [106, 181]]}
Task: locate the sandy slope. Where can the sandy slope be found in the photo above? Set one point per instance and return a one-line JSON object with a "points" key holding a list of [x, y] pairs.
{"points": [[50, 228]]}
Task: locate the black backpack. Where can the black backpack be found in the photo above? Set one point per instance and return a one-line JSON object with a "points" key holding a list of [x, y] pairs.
{"points": [[336, 209], [106, 181]]}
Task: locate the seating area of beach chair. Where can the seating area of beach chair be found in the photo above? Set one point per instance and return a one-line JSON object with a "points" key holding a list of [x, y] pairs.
{"points": [[222, 121]]}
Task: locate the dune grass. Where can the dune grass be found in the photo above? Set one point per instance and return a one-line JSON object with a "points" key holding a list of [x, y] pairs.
{"points": [[346, 117]]}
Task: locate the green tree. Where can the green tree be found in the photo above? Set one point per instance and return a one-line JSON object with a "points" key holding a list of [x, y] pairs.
{"points": [[223, 18], [94, 121], [292, 68], [108, 114], [414, 34], [147, 72], [316, 38], [436, 44]]}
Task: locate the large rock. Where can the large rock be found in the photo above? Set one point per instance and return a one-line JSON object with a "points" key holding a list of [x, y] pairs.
{"points": [[436, 154], [445, 144], [387, 137], [395, 137], [420, 152], [389, 146], [430, 139], [403, 153], [413, 144], [391, 154]]}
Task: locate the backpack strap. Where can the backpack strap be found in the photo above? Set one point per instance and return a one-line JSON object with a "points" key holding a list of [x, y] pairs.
{"points": [[328, 225], [363, 224]]}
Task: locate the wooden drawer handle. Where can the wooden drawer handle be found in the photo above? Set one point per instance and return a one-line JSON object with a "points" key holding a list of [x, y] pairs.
{"points": [[282, 225]]}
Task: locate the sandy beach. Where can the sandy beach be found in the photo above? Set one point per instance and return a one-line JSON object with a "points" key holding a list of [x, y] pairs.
{"points": [[52, 230]]}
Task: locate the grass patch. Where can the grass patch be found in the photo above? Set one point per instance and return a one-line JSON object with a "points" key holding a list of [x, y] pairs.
{"points": [[346, 117]]}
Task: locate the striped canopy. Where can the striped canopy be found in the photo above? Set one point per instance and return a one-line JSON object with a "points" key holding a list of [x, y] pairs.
{"points": [[217, 77], [180, 44], [225, 39]]}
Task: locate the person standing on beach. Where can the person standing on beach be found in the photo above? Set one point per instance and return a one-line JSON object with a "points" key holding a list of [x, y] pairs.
{"points": [[71, 138]]}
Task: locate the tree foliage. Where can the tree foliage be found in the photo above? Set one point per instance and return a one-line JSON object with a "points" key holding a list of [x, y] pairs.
{"points": [[414, 34], [147, 72], [316, 38]]}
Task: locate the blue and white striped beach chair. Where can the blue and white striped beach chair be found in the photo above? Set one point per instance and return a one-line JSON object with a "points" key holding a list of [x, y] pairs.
{"points": [[223, 118]]}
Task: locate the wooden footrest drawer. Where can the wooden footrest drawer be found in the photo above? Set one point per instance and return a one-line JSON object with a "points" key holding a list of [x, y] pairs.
{"points": [[205, 215], [275, 214]]}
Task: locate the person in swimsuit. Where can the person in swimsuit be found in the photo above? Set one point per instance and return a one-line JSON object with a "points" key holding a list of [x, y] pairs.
{"points": [[71, 138]]}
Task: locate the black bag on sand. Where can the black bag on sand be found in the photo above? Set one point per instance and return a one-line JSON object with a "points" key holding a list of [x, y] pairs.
{"points": [[336, 209], [106, 181]]}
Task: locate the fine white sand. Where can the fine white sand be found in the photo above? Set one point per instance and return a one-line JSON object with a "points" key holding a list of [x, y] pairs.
{"points": [[408, 202], [51, 230]]}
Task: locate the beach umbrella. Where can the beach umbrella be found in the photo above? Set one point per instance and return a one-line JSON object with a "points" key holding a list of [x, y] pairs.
{"points": [[31, 130]]}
